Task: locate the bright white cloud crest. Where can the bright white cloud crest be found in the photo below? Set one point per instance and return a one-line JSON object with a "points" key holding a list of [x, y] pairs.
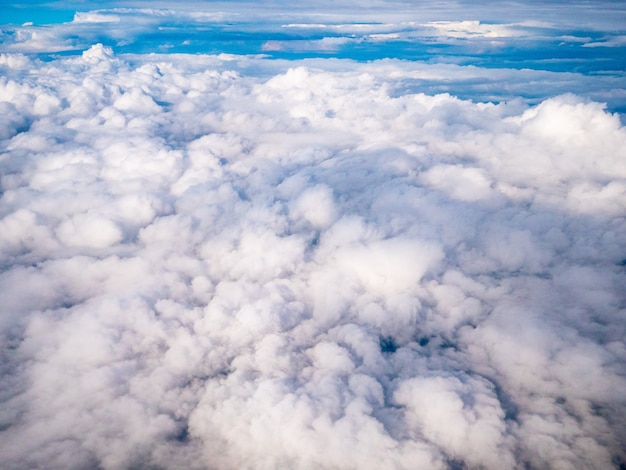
{"points": [[204, 267]]}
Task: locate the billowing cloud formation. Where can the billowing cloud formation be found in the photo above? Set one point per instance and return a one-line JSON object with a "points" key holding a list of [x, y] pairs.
{"points": [[232, 264]]}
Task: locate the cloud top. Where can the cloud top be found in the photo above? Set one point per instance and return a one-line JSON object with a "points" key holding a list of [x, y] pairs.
{"points": [[230, 262]]}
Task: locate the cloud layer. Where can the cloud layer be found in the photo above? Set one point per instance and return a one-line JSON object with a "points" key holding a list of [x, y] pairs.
{"points": [[236, 264], [542, 46]]}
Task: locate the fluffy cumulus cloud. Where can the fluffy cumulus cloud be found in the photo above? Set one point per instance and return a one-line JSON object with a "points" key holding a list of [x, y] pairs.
{"points": [[225, 263]]}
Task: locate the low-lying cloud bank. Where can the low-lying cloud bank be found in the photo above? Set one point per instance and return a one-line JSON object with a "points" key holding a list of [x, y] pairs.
{"points": [[203, 266]]}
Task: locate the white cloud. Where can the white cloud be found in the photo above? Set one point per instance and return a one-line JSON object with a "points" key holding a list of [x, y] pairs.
{"points": [[468, 184], [95, 17], [471, 29], [464, 419], [86, 230], [611, 41], [316, 206], [230, 262]]}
